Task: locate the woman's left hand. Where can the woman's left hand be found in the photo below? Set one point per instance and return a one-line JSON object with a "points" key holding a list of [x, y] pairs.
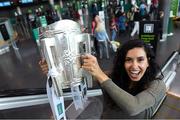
{"points": [[91, 65], [43, 65]]}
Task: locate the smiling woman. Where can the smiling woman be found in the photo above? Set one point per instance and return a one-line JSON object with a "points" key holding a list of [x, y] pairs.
{"points": [[136, 63], [133, 90]]}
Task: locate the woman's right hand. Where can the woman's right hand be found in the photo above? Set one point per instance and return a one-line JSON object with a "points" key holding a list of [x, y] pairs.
{"points": [[43, 65], [91, 65]]}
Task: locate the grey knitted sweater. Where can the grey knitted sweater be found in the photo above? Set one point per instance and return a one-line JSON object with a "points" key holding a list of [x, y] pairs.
{"points": [[124, 105]]}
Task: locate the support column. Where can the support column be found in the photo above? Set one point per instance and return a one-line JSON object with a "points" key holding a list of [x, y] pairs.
{"points": [[166, 9]]}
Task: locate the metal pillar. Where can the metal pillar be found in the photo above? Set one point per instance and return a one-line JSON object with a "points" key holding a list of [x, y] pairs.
{"points": [[166, 9]]}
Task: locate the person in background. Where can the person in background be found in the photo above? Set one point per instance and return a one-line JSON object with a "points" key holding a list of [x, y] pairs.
{"points": [[143, 10], [94, 9], [133, 90], [136, 20], [93, 24], [160, 17], [102, 38], [122, 22], [154, 9], [113, 28]]}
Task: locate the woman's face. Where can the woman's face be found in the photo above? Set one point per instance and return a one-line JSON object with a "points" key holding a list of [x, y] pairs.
{"points": [[136, 63]]}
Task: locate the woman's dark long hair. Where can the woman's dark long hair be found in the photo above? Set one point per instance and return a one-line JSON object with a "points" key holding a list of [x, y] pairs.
{"points": [[119, 74]]}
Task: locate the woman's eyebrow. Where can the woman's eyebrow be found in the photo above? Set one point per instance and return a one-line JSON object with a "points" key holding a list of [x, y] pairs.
{"points": [[136, 57], [139, 57]]}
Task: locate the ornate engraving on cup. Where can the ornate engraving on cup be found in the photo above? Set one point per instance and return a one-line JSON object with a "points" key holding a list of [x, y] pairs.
{"points": [[63, 44]]}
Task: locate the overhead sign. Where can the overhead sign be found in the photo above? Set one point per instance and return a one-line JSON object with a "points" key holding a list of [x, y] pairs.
{"points": [[4, 4], [26, 1]]}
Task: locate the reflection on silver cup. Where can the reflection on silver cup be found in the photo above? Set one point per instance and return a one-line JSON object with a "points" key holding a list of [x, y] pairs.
{"points": [[62, 44]]}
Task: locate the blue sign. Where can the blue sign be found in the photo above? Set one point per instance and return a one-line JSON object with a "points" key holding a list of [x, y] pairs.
{"points": [[4, 4]]}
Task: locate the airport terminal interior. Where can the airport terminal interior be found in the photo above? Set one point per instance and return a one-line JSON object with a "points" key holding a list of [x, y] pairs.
{"points": [[23, 86]]}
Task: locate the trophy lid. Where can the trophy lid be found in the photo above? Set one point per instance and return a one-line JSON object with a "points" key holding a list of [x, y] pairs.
{"points": [[66, 26]]}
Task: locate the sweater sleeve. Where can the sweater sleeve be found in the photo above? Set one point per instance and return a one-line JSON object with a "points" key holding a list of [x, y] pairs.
{"points": [[133, 105]]}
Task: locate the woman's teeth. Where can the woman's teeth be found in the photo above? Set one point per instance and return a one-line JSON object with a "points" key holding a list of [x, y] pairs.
{"points": [[135, 72]]}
